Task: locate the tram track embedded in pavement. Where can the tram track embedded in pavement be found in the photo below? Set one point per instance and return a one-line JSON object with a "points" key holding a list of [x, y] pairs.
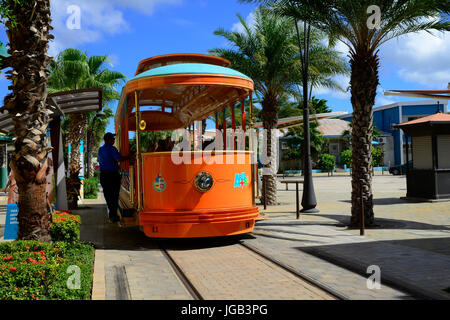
{"points": [[181, 275], [184, 270]]}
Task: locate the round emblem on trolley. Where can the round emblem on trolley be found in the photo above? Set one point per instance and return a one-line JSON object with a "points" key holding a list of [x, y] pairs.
{"points": [[159, 184], [142, 125], [203, 181]]}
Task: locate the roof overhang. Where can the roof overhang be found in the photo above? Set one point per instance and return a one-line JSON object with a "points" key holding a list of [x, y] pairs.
{"points": [[62, 103], [431, 94], [285, 123]]}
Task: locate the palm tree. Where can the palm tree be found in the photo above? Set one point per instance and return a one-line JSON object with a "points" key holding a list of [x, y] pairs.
{"points": [[96, 130], [73, 70], [350, 22], [347, 134], [28, 27], [297, 135], [266, 54]]}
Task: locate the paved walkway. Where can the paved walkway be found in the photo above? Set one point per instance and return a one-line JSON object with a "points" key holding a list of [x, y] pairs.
{"points": [[232, 272], [286, 247], [410, 244], [128, 265]]}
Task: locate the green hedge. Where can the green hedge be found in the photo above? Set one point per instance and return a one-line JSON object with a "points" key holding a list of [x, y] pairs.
{"points": [[65, 227], [32, 270], [377, 157], [346, 158], [90, 188], [327, 162]]}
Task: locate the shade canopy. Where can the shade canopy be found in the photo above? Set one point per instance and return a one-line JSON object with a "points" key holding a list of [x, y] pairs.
{"points": [[285, 123], [62, 103], [432, 94]]}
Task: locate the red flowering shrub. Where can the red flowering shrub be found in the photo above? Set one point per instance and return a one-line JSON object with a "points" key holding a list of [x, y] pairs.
{"points": [[31, 270], [65, 227]]}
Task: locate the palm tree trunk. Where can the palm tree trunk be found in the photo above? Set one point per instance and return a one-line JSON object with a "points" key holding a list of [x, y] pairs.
{"points": [[77, 125], [90, 153], [269, 114], [28, 42], [364, 82]]}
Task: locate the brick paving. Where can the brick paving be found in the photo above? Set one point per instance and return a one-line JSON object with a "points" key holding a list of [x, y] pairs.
{"points": [[148, 274], [348, 284], [235, 273], [411, 243]]}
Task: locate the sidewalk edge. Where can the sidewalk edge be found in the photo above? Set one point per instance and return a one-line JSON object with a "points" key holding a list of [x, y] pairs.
{"points": [[99, 283]]}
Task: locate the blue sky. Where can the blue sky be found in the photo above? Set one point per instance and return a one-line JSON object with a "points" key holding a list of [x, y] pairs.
{"points": [[131, 30]]}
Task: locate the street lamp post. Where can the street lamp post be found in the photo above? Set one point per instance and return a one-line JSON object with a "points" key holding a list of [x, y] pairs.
{"points": [[309, 202], [90, 139]]}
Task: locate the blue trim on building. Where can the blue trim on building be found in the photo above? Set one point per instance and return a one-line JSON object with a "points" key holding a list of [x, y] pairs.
{"points": [[384, 118]]}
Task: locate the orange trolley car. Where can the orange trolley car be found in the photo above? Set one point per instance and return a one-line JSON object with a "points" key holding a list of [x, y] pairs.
{"points": [[202, 196]]}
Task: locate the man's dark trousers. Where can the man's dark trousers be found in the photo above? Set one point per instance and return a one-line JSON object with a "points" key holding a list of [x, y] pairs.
{"points": [[110, 181]]}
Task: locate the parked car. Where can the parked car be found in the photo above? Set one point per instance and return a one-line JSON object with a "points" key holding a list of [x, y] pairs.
{"points": [[399, 169]]}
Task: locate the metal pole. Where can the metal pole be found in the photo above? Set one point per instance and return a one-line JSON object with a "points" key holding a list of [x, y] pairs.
{"points": [[361, 222], [233, 125], [256, 164], [309, 197], [243, 122], [296, 200], [265, 191], [224, 129], [407, 154], [138, 152], [217, 128]]}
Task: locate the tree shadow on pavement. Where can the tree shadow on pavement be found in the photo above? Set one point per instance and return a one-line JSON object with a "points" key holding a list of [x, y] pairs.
{"points": [[387, 201], [384, 223]]}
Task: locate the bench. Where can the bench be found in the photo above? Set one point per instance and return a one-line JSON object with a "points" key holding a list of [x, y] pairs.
{"points": [[296, 181], [291, 172]]}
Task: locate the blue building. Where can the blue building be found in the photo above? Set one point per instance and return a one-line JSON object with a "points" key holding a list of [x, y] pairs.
{"points": [[386, 116]]}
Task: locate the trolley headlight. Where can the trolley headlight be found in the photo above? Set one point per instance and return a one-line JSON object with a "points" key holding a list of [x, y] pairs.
{"points": [[203, 181]]}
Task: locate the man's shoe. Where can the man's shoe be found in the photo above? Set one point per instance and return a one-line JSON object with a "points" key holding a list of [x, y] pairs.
{"points": [[114, 219]]}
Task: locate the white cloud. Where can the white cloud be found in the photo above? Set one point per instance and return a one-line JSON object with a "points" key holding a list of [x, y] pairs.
{"points": [[381, 100], [98, 17], [250, 20], [114, 59], [422, 58], [419, 58], [343, 81]]}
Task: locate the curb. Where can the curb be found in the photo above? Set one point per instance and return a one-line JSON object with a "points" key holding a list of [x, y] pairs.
{"points": [[99, 283]]}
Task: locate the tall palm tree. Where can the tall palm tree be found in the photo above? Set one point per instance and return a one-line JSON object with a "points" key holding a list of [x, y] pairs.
{"points": [[350, 22], [265, 53], [28, 27], [268, 53], [72, 70]]}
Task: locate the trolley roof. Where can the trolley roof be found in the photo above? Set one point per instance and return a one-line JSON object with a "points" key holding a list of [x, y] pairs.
{"points": [[175, 58], [177, 94]]}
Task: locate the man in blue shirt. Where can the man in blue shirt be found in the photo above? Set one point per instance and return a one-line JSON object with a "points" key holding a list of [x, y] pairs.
{"points": [[110, 178]]}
